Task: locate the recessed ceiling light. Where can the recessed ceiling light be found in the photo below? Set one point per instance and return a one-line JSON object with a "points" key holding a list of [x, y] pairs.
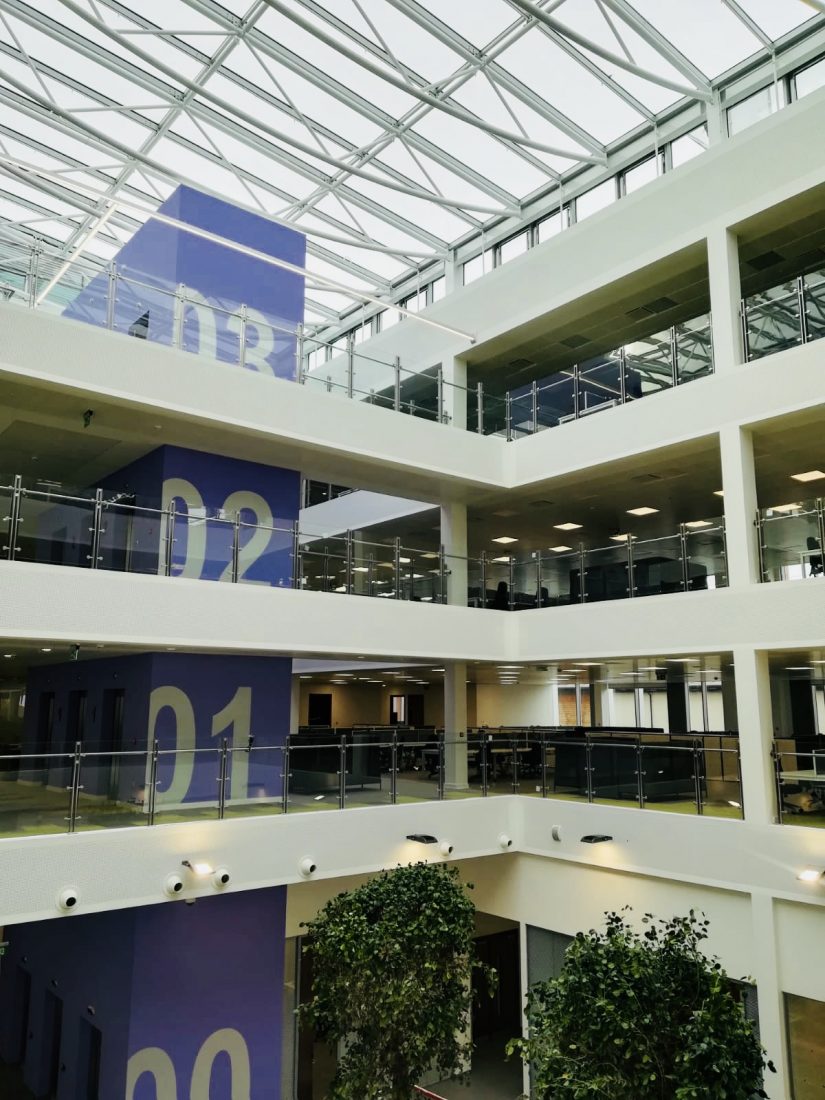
{"points": [[7, 655], [683, 660], [698, 523], [810, 874], [785, 507], [718, 492], [798, 668], [809, 475], [567, 526], [46, 649], [643, 511], [652, 668], [504, 559], [619, 538], [559, 549], [505, 540], [517, 667]]}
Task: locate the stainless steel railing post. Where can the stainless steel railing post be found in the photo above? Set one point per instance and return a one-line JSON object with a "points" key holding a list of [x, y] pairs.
{"points": [[297, 559], [223, 755], [13, 518], [243, 314], [300, 373], [236, 548], [74, 787], [96, 530], [169, 545], [342, 772], [396, 390], [285, 776], [152, 784], [480, 408], [394, 768]]}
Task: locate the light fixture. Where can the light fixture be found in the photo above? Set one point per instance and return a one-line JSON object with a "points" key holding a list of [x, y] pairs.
{"points": [[643, 511], [8, 655], [809, 475], [718, 492], [46, 649], [785, 507], [683, 660], [198, 868], [559, 549], [505, 667], [619, 538], [798, 668], [596, 838], [502, 559], [699, 523], [810, 874], [422, 838], [736, 805], [505, 540], [567, 526], [404, 561]]}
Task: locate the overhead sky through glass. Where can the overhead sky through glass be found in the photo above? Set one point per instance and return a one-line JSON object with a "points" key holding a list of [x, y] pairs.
{"points": [[386, 130]]}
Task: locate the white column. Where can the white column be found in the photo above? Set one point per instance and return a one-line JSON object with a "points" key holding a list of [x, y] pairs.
{"points": [[452, 275], [599, 699], [772, 1023], [295, 705], [725, 297], [455, 726], [753, 705], [454, 377], [454, 541], [739, 486], [525, 986]]}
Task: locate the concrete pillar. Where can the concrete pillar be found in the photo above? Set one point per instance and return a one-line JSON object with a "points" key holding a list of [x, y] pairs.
{"points": [[753, 704], [455, 725], [739, 485], [452, 275], [454, 377], [772, 1020], [725, 298], [454, 541]]}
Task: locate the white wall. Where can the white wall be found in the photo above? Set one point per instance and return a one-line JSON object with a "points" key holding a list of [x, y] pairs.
{"points": [[515, 705]]}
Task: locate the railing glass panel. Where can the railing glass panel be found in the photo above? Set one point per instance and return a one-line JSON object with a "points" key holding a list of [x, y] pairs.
{"points": [[55, 530], [706, 556], [421, 762], [814, 298], [599, 383], [694, 349], [323, 564], [132, 539], [35, 793], [658, 566], [568, 769], [649, 365], [606, 574], [113, 790], [800, 781], [772, 320], [187, 785], [791, 542], [556, 399], [561, 577]]}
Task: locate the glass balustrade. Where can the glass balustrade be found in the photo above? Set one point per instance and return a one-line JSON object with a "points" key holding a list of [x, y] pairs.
{"points": [[800, 780], [95, 532], [94, 789], [791, 540]]}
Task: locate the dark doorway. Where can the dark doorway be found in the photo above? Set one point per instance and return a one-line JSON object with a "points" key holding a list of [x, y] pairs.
{"points": [[803, 721], [45, 722], [415, 711], [89, 1053], [319, 710], [75, 718], [501, 1013], [316, 1062], [111, 732], [52, 1037]]}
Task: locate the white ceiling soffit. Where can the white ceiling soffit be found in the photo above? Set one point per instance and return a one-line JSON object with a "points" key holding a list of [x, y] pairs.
{"points": [[385, 129]]}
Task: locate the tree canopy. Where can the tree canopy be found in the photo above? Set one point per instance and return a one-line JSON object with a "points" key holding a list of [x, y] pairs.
{"points": [[641, 1016], [392, 967]]}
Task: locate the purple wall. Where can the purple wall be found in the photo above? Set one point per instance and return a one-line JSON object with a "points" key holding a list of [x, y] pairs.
{"points": [[160, 257], [166, 976]]}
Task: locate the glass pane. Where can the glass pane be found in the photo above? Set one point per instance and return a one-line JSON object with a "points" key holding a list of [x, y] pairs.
{"points": [[668, 777], [202, 547], [369, 767], [567, 769], [801, 782], [640, 174], [557, 399], [419, 756], [599, 385], [132, 539], [373, 381], [521, 412], [6, 496], [806, 1026], [814, 284], [550, 227], [516, 246], [265, 554], [808, 80], [55, 530], [373, 569], [498, 583], [596, 199], [113, 790], [657, 566], [420, 576], [750, 110], [615, 766], [495, 414], [473, 269], [790, 544], [525, 585], [187, 784], [323, 564], [772, 320], [314, 765], [688, 146], [561, 578], [606, 574], [648, 365], [721, 789], [706, 559], [144, 312], [33, 794], [419, 393], [694, 349], [254, 781]]}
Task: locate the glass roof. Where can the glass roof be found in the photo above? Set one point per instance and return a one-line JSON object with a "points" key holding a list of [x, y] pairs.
{"points": [[384, 129]]}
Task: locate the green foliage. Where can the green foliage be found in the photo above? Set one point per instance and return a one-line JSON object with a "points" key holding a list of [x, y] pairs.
{"points": [[392, 968], [641, 1016]]}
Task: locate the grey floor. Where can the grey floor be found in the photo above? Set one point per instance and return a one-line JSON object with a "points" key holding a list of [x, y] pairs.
{"points": [[493, 1076]]}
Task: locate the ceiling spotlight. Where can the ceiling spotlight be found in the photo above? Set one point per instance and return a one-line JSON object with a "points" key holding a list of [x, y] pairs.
{"points": [[596, 838], [810, 874]]}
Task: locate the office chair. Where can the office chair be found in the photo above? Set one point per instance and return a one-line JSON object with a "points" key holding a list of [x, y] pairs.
{"points": [[815, 560]]}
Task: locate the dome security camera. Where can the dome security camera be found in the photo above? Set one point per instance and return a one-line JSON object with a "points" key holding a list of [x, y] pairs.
{"points": [[445, 847], [504, 842], [173, 885], [68, 898], [220, 878], [307, 866]]}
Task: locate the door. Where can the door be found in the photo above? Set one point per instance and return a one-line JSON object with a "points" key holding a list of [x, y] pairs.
{"points": [[415, 711], [52, 1037], [89, 1053], [319, 711], [75, 719], [398, 710], [499, 1015]]}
